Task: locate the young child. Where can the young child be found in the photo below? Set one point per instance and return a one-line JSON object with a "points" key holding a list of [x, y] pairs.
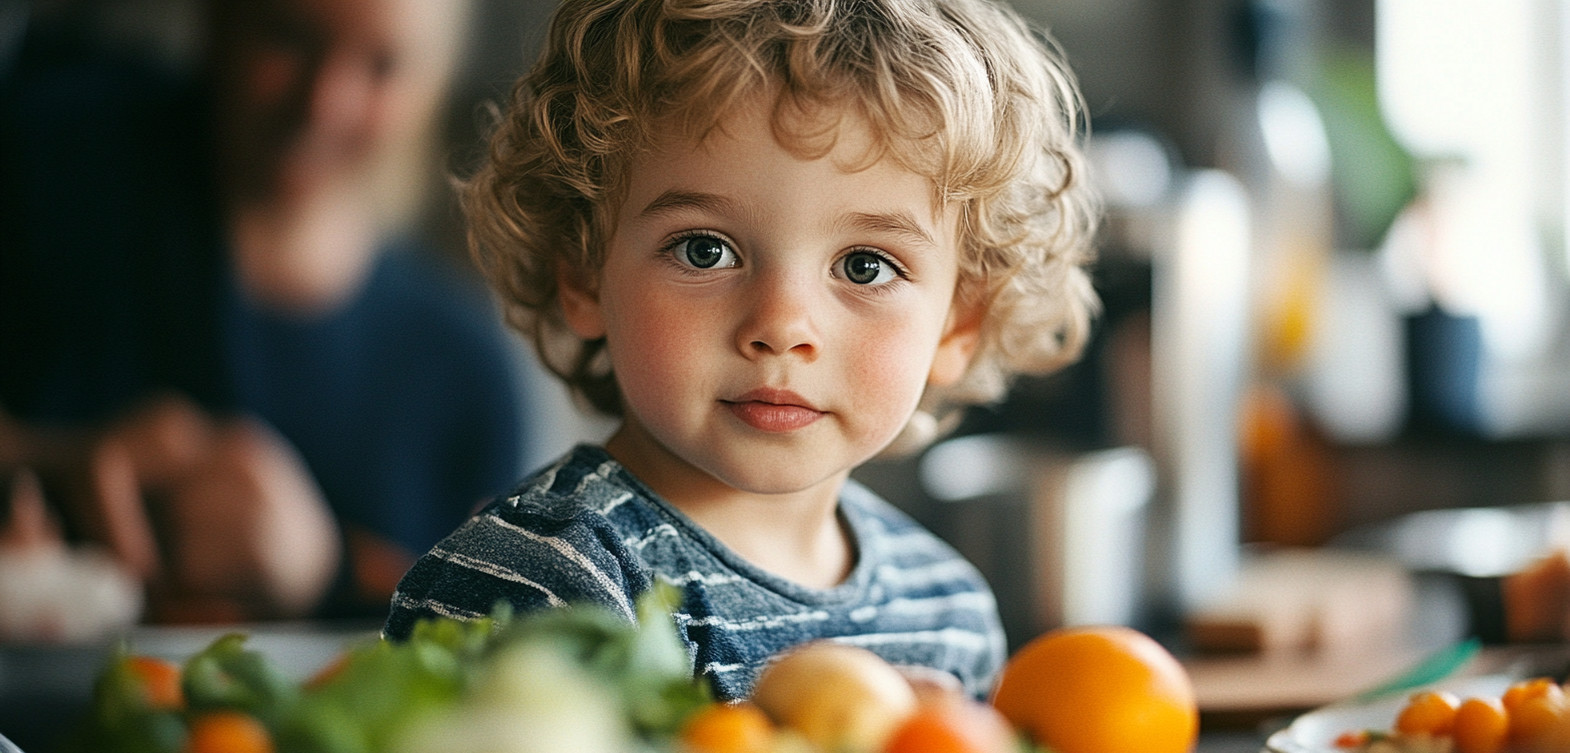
{"points": [[770, 237]]}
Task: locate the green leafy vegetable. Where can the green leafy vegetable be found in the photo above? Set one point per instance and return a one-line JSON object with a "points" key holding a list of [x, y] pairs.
{"points": [[582, 674]]}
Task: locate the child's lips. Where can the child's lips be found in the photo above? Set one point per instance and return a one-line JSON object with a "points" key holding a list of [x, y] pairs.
{"points": [[775, 411]]}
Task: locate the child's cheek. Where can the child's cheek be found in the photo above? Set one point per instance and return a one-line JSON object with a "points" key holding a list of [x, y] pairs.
{"points": [[891, 371], [659, 353]]}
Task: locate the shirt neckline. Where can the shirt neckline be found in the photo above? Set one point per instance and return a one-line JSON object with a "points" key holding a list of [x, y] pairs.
{"points": [[853, 515]]}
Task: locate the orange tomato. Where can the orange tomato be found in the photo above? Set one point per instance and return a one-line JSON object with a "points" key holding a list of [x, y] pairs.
{"points": [[1108, 689], [1428, 713], [1538, 719], [159, 681], [227, 732], [953, 725], [728, 728], [1481, 726], [1352, 739], [1535, 687]]}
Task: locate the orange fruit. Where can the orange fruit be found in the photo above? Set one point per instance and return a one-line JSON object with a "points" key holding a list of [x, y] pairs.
{"points": [[227, 732], [1538, 719], [159, 681], [1430, 712], [1099, 689], [1533, 687], [1482, 726], [728, 728], [954, 725]]}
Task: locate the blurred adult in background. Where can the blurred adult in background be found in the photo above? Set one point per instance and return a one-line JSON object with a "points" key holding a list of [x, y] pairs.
{"points": [[225, 357]]}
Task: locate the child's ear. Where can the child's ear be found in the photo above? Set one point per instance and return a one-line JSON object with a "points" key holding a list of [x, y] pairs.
{"points": [[580, 303], [961, 337]]}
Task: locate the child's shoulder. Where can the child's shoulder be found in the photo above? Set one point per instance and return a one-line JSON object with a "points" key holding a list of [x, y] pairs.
{"points": [[883, 530], [585, 481]]}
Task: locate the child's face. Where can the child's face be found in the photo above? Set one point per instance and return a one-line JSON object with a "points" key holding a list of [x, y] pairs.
{"points": [[772, 321]]}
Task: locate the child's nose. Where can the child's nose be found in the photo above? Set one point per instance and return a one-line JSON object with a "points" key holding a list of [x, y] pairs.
{"points": [[779, 321]]}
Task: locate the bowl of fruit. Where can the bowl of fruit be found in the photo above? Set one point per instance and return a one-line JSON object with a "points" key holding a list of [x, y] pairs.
{"points": [[1491, 714], [587, 681]]}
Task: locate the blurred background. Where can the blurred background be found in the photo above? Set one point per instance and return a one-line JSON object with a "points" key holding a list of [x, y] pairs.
{"points": [[1333, 353]]}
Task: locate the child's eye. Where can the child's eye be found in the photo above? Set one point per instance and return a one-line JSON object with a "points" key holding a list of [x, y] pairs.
{"points": [[867, 268], [704, 252]]}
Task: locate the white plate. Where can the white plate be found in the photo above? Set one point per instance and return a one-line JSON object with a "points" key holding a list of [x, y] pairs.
{"points": [[1316, 731]]}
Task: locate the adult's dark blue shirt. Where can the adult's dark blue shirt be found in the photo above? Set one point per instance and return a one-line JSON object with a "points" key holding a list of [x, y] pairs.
{"points": [[115, 286]]}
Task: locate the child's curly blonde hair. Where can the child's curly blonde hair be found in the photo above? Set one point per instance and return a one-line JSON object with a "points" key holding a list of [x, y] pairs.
{"points": [[961, 91]]}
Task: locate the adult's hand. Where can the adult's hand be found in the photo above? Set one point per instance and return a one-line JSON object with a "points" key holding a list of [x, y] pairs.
{"points": [[219, 516], [51, 591]]}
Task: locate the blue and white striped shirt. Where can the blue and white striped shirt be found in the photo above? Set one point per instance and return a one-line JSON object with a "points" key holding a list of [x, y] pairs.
{"points": [[586, 530]]}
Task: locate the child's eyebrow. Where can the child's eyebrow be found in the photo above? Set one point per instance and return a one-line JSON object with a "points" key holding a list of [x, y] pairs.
{"points": [[897, 223], [675, 199]]}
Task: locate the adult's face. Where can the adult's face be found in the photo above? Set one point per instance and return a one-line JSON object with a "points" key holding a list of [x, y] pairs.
{"points": [[313, 93]]}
